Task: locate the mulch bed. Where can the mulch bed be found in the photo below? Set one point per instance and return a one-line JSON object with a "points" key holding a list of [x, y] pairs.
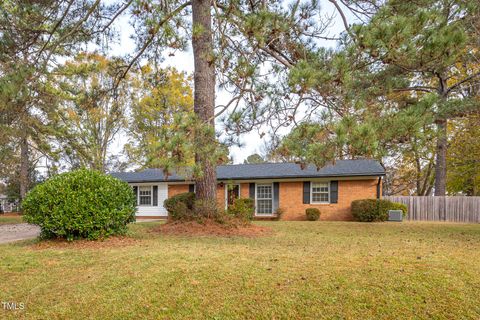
{"points": [[210, 228], [110, 242]]}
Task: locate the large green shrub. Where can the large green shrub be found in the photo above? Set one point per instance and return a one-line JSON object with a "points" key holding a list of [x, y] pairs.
{"points": [[180, 206], [313, 214], [243, 208], [370, 210], [366, 210], [80, 204]]}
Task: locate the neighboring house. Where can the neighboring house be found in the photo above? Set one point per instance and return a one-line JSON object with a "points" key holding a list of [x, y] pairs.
{"points": [[272, 185], [7, 205]]}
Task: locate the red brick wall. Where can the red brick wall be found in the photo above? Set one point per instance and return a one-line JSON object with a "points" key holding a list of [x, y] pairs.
{"points": [[244, 190], [174, 189], [291, 198]]}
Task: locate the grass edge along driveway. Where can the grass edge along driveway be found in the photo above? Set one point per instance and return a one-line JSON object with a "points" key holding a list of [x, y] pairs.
{"points": [[10, 219]]}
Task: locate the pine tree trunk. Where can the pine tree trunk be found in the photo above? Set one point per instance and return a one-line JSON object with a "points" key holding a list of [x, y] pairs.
{"points": [[441, 159], [23, 168], [204, 96], [441, 148]]}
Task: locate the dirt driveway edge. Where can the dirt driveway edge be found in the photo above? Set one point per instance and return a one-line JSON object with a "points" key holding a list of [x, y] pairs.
{"points": [[19, 231]]}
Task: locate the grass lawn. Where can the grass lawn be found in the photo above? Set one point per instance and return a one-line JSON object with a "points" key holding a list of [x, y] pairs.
{"points": [[8, 219], [304, 270]]}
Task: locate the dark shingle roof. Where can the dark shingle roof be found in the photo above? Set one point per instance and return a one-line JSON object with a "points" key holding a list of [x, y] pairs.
{"points": [[341, 168]]}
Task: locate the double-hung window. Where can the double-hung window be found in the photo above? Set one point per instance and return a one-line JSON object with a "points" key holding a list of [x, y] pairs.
{"points": [[320, 192], [145, 196], [264, 199]]}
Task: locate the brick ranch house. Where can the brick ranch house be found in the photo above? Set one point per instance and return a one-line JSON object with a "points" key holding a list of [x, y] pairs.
{"points": [[272, 185]]}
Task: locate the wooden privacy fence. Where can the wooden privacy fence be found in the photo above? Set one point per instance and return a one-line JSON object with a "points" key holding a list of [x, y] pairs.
{"points": [[455, 209]]}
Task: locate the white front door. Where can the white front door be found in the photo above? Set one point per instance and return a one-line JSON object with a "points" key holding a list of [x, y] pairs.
{"points": [[162, 196]]}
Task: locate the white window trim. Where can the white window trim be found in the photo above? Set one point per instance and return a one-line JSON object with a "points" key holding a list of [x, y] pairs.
{"points": [[311, 193], [226, 192], [151, 196], [256, 200]]}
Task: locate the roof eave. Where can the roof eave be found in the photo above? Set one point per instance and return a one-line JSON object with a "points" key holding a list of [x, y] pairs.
{"points": [[307, 177], [373, 174]]}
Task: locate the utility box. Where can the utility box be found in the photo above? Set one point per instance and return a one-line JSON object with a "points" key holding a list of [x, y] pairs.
{"points": [[395, 215]]}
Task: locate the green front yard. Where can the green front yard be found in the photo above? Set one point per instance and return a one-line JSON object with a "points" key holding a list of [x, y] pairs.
{"points": [[339, 270], [9, 219]]}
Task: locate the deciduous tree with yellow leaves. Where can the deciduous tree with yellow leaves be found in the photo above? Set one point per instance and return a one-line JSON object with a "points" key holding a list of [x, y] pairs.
{"points": [[161, 124], [92, 109]]}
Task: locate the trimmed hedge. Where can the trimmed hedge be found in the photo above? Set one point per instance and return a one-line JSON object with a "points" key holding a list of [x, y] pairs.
{"points": [[371, 210], [243, 208], [80, 204], [180, 206], [313, 214]]}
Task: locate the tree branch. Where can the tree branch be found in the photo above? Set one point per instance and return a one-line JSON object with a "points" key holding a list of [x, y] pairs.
{"points": [[342, 14], [117, 15], [152, 37], [277, 57], [225, 107], [74, 29], [416, 88], [59, 22], [456, 85]]}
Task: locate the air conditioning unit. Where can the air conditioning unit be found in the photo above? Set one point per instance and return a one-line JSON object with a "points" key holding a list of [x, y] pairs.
{"points": [[395, 215]]}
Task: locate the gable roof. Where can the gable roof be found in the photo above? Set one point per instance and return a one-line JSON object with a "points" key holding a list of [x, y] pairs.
{"points": [[285, 170]]}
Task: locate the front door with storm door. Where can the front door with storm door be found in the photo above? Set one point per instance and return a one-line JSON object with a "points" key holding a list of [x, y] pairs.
{"points": [[233, 192]]}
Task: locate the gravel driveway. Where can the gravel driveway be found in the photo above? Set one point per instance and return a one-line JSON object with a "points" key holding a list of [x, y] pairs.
{"points": [[20, 231]]}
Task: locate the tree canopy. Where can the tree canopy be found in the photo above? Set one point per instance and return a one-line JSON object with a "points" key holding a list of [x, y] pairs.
{"points": [[254, 158]]}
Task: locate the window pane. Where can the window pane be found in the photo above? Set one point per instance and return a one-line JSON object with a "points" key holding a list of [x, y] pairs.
{"points": [[319, 197], [145, 200], [145, 191], [320, 192], [264, 206], [264, 191], [320, 187], [264, 199], [145, 196]]}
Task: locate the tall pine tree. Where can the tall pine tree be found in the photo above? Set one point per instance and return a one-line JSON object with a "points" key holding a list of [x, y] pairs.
{"points": [[232, 41], [34, 36]]}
